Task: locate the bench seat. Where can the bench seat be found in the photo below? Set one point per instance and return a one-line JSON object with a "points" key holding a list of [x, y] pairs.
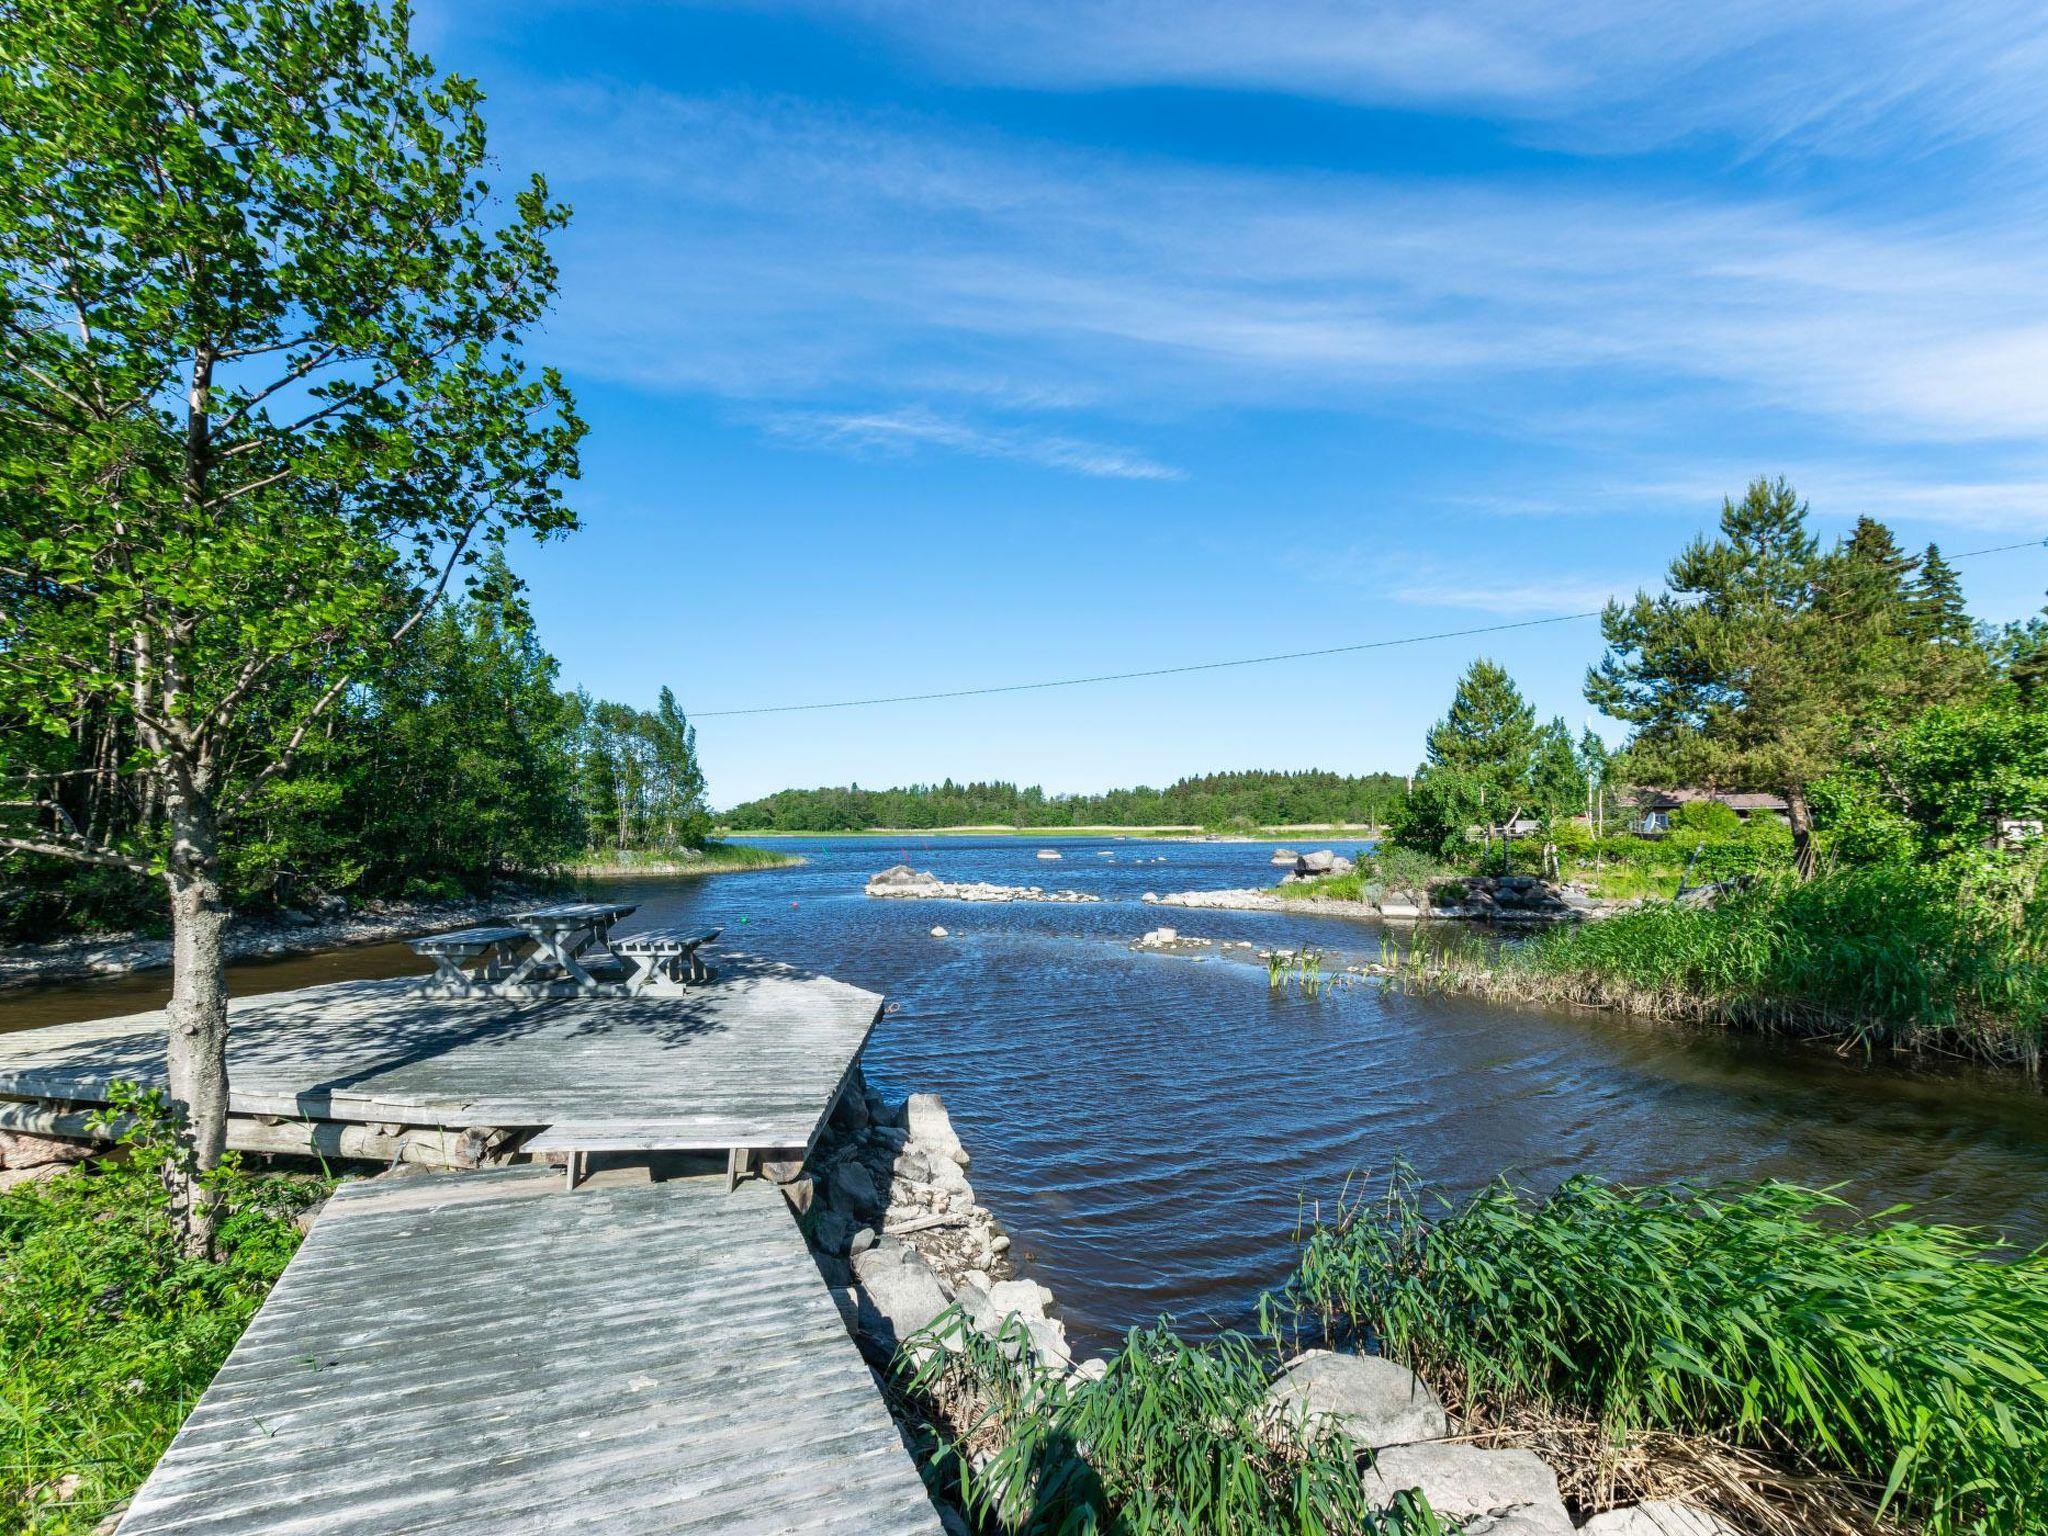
{"points": [[663, 941]]}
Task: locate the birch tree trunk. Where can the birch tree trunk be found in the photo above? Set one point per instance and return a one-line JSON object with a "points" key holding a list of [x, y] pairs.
{"points": [[197, 1050]]}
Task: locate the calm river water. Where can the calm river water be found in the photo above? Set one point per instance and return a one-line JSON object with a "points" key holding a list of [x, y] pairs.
{"points": [[1147, 1126]]}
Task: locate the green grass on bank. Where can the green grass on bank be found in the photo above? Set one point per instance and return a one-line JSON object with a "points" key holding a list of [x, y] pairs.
{"points": [[1909, 1359], [1890, 958], [714, 858], [1760, 1349], [1175, 1440], [108, 1333]]}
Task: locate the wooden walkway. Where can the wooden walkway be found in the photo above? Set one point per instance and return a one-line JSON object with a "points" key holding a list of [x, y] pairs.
{"points": [[750, 1061], [483, 1353]]}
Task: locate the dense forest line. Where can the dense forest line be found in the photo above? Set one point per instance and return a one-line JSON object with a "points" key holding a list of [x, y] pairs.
{"points": [[460, 764], [1215, 801]]}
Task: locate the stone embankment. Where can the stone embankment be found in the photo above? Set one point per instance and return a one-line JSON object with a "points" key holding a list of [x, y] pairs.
{"points": [[1385, 1408], [332, 926], [904, 883], [899, 1236]]}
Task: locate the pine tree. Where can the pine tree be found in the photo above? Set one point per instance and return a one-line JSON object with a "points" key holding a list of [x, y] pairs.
{"points": [[1488, 740], [1935, 604]]}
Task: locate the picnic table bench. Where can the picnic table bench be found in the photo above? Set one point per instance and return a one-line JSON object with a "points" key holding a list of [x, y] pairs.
{"points": [[571, 938], [663, 957], [453, 954]]}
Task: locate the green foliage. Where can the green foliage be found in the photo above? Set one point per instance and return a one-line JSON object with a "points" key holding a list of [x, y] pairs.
{"points": [[1767, 661], [638, 777], [1708, 818], [260, 385], [1888, 956], [1175, 1440], [1217, 800], [1487, 742], [108, 1331], [1435, 820], [1912, 1357]]}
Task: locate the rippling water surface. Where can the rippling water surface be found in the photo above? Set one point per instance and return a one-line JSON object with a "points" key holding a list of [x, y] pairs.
{"points": [[1147, 1126]]}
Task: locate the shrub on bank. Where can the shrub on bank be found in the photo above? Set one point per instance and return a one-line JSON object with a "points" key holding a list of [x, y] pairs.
{"points": [[1890, 957], [1910, 1359], [108, 1331], [1175, 1439]]}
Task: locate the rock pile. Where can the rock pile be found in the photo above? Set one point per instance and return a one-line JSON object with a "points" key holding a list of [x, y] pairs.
{"points": [[1387, 1409], [900, 880], [1318, 866], [1509, 899], [899, 1236]]}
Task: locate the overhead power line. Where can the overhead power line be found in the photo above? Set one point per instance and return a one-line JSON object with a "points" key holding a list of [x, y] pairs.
{"points": [[1217, 666]]}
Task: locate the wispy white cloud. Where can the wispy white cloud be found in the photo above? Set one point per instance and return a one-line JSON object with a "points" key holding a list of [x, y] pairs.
{"points": [[1839, 76], [913, 427]]}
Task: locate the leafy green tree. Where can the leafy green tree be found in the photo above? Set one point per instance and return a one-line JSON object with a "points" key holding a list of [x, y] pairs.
{"points": [[1935, 603], [261, 397], [1557, 784], [1766, 663]]}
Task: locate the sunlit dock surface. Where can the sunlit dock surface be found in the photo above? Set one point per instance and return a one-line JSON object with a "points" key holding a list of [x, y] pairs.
{"points": [[487, 1353], [749, 1061]]}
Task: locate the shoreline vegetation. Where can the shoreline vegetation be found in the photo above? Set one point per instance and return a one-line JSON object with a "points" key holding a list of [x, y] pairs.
{"points": [[1167, 832], [713, 858]]}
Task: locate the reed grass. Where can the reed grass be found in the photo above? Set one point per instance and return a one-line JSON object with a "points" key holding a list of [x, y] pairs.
{"points": [[1176, 1439], [1883, 958], [1907, 1362]]}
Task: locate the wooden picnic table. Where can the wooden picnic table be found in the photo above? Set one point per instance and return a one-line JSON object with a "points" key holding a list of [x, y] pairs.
{"points": [[570, 938], [453, 953], [663, 958]]}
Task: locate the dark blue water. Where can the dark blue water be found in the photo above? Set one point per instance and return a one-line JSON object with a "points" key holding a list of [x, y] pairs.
{"points": [[1148, 1126]]}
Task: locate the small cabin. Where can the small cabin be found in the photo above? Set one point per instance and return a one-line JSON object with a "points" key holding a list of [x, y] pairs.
{"points": [[1655, 806]]}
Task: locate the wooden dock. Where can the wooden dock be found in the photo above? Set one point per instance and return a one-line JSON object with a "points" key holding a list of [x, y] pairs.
{"points": [[497, 1351], [750, 1063], [472, 1353]]}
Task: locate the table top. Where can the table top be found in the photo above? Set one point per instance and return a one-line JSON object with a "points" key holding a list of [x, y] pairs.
{"points": [[577, 912]]}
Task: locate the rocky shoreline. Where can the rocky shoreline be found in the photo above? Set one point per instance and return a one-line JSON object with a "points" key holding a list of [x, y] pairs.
{"points": [[899, 1237], [122, 954], [1515, 899], [901, 882]]}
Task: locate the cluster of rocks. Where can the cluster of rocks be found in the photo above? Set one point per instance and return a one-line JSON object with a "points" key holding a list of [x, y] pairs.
{"points": [[1510, 899], [900, 880], [1316, 866], [899, 1237], [1386, 1408], [1171, 941]]}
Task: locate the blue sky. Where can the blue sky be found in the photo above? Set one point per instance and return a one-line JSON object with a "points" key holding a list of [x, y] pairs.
{"points": [[939, 345]]}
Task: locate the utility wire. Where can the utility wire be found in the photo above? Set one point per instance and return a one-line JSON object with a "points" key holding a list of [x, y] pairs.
{"points": [[1217, 666]]}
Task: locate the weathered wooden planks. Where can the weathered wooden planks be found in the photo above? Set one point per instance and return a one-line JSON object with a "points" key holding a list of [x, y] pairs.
{"points": [[752, 1061], [479, 1353]]}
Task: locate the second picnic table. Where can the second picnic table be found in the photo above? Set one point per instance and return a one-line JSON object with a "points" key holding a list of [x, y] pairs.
{"points": [[570, 937]]}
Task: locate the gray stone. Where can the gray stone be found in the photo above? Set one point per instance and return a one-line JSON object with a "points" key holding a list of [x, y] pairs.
{"points": [[925, 1117], [901, 1294], [1658, 1517], [853, 1190], [850, 1114], [862, 1241], [801, 1194], [1375, 1401], [831, 1230], [1468, 1483], [1315, 863]]}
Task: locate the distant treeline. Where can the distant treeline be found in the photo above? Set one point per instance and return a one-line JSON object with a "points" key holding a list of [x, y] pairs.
{"points": [[1220, 801]]}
